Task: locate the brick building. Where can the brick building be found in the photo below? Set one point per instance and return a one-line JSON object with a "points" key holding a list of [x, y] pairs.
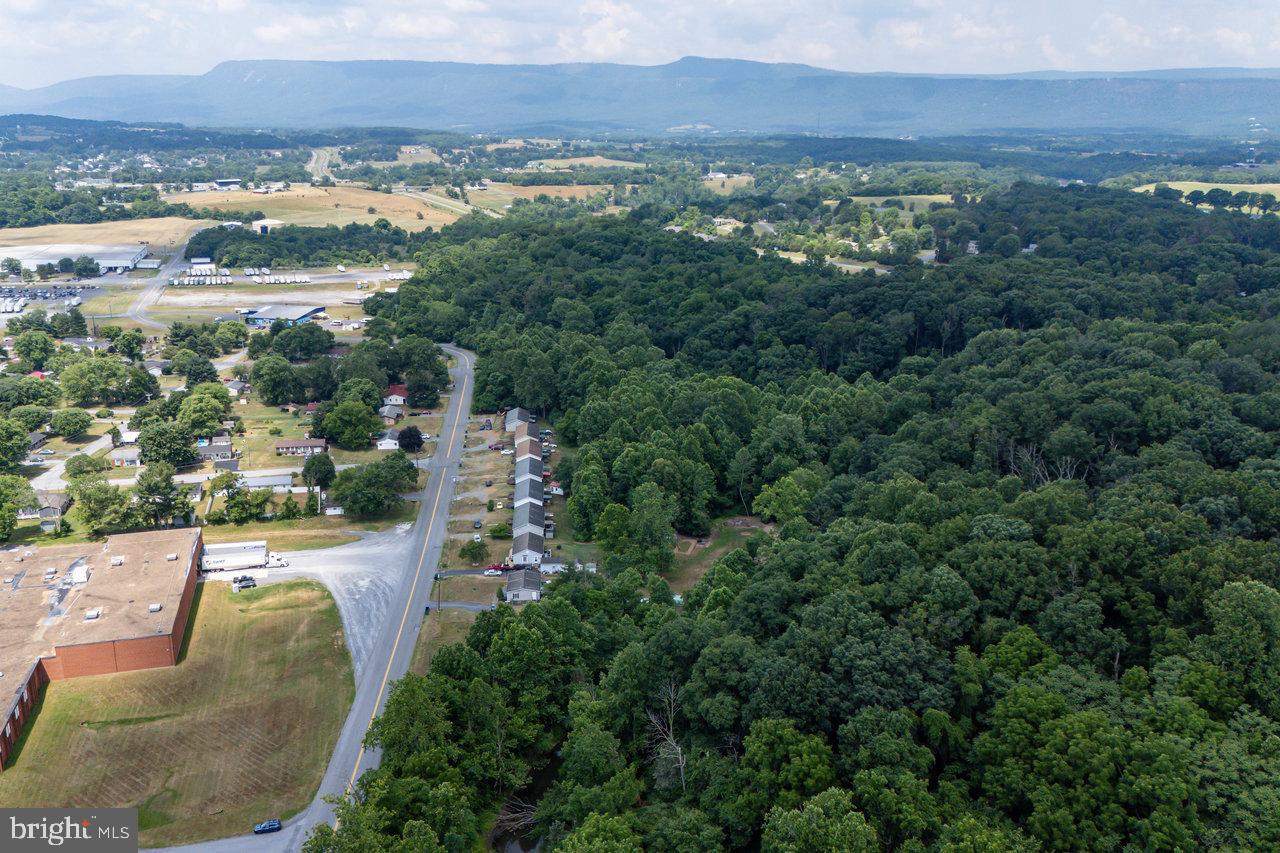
{"points": [[90, 609]]}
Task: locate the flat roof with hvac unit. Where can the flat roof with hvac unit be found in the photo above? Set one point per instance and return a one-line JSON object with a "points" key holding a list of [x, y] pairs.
{"points": [[91, 609], [108, 257]]}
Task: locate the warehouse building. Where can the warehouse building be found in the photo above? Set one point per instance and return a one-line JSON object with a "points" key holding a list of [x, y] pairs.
{"points": [[110, 258], [91, 609], [292, 315]]}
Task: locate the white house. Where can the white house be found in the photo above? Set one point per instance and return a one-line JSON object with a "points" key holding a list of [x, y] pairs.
{"points": [[526, 549], [397, 395], [515, 417], [389, 440], [125, 457], [524, 585]]}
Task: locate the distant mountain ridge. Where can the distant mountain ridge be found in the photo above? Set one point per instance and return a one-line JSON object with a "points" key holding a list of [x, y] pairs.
{"points": [[722, 95]]}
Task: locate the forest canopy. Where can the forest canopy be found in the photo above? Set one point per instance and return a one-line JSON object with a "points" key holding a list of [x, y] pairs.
{"points": [[1022, 589]]}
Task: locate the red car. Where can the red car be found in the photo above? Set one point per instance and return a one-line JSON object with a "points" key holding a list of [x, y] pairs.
{"points": [[499, 566], [497, 445]]}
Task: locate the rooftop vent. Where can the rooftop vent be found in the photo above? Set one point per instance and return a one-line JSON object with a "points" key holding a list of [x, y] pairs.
{"points": [[155, 608], [90, 615]]}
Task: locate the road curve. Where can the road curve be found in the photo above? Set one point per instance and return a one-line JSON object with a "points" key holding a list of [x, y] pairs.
{"points": [[151, 293], [391, 653]]}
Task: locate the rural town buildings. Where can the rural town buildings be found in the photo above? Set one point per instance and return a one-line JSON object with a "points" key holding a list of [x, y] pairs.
{"points": [[304, 447], [108, 258], [523, 585]]}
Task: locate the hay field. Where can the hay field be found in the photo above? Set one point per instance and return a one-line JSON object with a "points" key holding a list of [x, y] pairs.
{"points": [[1205, 186], [308, 205], [166, 231], [921, 202], [202, 749], [593, 160], [725, 186], [409, 154], [500, 195]]}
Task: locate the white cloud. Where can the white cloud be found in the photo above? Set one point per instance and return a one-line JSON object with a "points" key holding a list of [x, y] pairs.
{"points": [[50, 41]]}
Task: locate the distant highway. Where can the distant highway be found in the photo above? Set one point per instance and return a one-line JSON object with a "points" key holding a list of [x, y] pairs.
{"points": [[318, 165], [444, 202]]}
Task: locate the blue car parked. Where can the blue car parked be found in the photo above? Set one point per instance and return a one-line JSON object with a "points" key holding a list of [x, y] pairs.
{"points": [[266, 826]]}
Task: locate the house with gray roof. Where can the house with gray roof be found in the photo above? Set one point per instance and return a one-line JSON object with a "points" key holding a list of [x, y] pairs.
{"points": [[528, 518], [517, 416], [529, 469], [528, 491], [524, 585]]}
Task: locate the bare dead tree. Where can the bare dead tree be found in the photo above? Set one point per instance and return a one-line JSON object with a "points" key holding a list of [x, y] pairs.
{"points": [[515, 817], [668, 753]]}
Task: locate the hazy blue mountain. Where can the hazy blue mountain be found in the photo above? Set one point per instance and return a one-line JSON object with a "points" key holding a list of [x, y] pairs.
{"points": [[723, 95]]}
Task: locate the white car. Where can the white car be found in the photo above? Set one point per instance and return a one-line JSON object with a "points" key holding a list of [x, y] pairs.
{"points": [[492, 573], [507, 451], [475, 537]]}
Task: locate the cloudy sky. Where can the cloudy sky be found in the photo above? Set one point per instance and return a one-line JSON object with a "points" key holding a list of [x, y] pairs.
{"points": [[52, 40]]}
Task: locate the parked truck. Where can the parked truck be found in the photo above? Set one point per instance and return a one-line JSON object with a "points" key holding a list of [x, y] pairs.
{"points": [[233, 556]]}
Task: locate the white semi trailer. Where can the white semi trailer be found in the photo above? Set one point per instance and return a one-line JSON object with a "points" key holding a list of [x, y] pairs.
{"points": [[234, 556]]}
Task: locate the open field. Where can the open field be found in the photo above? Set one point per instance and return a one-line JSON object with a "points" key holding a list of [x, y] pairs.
{"points": [[162, 232], [571, 191], [913, 203], [725, 186], [258, 445], [1203, 186], [694, 559], [593, 160], [499, 196], [201, 749], [409, 154], [443, 627], [115, 300], [307, 205], [475, 588]]}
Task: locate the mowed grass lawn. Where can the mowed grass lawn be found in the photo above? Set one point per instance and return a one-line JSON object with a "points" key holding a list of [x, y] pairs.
{"points": [[239, 731], [307, 205], [116, 300], [258, 446], [440, 629], [305, 534]]}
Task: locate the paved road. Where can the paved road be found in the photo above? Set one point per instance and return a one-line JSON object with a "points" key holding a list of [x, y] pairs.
{"points": [[318, 165], [449, 204], [382, 646], [151, 293], [52, 480]]}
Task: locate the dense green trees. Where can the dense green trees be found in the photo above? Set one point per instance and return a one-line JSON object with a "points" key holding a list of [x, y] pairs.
{"points": [[1019, 590], [375, 488]]}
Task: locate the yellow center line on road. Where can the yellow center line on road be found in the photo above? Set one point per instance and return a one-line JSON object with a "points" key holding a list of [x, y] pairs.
{"points": [[386, 675]]}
